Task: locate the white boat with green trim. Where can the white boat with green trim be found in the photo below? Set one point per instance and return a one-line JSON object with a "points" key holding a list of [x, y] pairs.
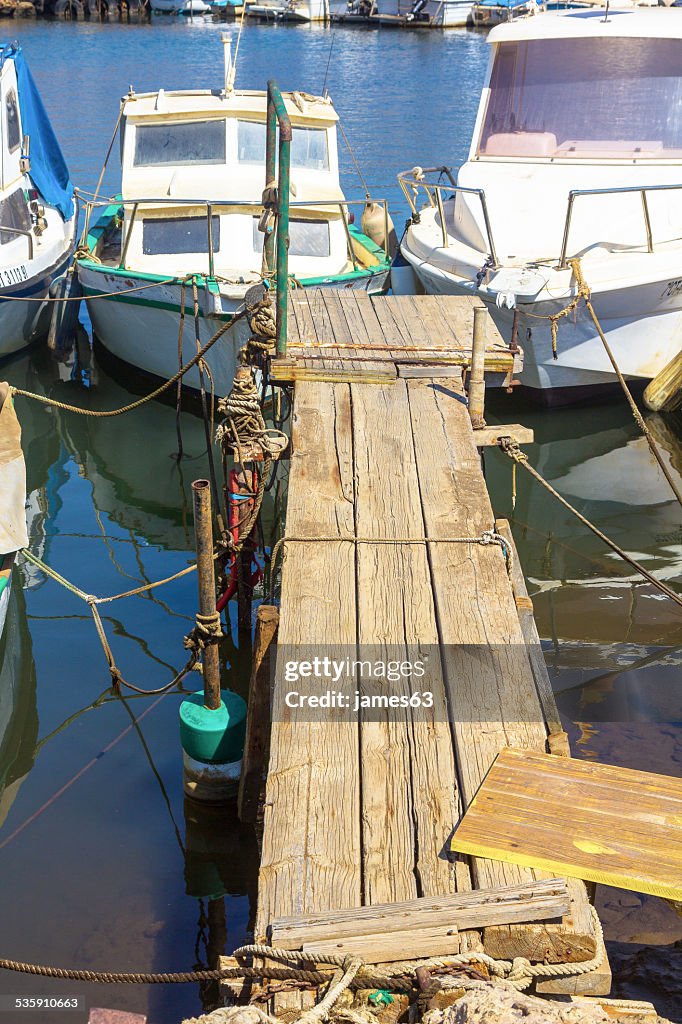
{"points": [[191, 212]]}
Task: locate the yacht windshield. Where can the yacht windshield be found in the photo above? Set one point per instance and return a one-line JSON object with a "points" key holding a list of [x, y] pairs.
{"points": [[194, 142], [585, 98]]}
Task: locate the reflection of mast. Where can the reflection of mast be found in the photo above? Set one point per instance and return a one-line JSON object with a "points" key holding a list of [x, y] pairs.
{"points": [[18, 707]]}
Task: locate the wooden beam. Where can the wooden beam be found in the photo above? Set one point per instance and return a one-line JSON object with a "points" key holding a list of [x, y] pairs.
{"points": [[258, 716], [491, 435], [530, 901]]}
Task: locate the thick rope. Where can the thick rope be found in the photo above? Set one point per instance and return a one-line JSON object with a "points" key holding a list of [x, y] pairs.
{"points": [[484, 539], [102, 413], [511, 448], [94, 295], [244, 424]]}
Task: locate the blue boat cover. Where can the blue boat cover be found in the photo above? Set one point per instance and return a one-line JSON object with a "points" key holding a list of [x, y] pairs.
{"points": [[49, 172], [510, 4]]}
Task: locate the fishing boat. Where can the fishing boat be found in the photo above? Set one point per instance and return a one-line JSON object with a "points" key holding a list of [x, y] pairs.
{"points": [[488, 13], [37, 210], [576, 152], [192, 210]]}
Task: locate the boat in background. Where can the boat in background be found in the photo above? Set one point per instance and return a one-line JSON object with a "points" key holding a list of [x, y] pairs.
{"points": [[576, 153], [488, 13], [186, 7], [193, 173], [290, 10], [423, 13], [37, 209]]}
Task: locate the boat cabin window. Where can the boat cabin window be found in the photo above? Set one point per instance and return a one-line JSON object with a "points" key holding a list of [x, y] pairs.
{"points": [[14, 214], [308, 146], [190, 142], [306, 237], [165, 236], [585, 98], [12, 121]]}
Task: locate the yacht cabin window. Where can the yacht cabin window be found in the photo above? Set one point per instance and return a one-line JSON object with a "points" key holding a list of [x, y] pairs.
{"points": [[12, 121], [189, 142], [308, 146], [306, 238], [166, 236], [579, 98]]}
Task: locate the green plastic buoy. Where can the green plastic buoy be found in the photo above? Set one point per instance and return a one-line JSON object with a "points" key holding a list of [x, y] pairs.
{"points": [[213, 737]]}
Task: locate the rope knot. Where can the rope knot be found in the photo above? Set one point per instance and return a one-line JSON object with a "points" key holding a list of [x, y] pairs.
{"points": [[208, 630]]}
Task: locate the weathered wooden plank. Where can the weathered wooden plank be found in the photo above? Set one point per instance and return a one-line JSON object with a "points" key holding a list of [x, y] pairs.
{"points": [[384, 948], [528, 902], [258, 718], [491, 435], [519, 816], [490, 685], [409, 789], [311, 836], [315, 369]]}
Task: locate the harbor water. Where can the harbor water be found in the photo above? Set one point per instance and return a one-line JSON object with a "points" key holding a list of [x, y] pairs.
{"points": [[102, 864]]}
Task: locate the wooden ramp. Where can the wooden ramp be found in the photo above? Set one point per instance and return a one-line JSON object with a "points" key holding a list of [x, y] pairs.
{"points": [[519, 816], [360, 810]]}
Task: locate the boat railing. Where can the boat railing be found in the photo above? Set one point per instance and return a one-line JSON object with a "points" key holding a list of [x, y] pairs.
{"points": [[415, 180], [213, 205], [643, 190], [28, 235]]}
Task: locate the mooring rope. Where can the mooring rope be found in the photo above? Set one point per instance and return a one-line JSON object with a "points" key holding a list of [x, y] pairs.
{"points": [[484, 539], [519, 972], [510, 447]]}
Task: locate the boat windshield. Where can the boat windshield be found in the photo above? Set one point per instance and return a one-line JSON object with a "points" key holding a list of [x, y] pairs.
{"points": [[191, 142], [584, 98], [308, 145]]}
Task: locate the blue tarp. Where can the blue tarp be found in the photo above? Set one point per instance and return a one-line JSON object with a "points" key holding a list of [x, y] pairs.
{"points": [[49, 172]]}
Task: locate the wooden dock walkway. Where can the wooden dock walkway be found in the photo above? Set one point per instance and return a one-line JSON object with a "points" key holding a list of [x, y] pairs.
{"points": [[359, 810]]}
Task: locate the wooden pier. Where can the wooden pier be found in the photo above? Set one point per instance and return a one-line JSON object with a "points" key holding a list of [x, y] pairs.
{"points": [[359, 811]]}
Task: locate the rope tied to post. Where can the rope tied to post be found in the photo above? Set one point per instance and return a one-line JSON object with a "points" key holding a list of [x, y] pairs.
{"points": [[244, 426], [261, 344], [208, 630]]}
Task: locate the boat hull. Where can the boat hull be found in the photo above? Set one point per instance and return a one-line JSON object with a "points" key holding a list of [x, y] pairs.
{"points": [[22, 320], [642, 324], [141, 329]]}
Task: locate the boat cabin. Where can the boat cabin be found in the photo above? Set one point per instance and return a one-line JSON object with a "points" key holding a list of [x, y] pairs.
{"points": [[578, 100], [193, 174]]}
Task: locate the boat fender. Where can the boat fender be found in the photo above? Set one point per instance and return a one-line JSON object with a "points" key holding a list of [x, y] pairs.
{"points": [[64, 319], [373, 225]]}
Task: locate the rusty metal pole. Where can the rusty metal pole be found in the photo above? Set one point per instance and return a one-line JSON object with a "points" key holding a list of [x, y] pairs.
{"points": [[203, 532], [477, 376]]}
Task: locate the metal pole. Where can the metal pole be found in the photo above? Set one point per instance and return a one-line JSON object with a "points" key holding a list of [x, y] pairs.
{"points": [[126, 241], [209, 232], [203, 533], [567, 228], [477, 377], [283, 235], [270, 171], [647, 223]]}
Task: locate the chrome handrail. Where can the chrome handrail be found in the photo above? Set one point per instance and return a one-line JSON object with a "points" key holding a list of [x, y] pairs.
{"points": [[409, 182], [641, 189], [212, 205], [24, 234]]}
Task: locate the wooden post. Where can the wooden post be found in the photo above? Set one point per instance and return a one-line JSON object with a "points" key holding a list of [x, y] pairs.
{"points": [[246, 483], [203, 533], [477, 377], [258, 715]]}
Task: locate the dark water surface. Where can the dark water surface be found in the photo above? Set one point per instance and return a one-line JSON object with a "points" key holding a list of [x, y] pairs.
{"points": [[98, 866]]}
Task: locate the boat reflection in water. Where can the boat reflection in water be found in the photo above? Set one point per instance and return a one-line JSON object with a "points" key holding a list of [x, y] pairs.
{"points": [[18, 708]]}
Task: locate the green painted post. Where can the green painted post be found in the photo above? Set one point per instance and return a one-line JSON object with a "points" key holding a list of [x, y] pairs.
{"points": [[283, 186]]}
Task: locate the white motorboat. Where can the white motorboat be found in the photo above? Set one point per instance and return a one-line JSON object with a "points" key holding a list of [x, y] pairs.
{"points": [[291, 10], [188, 7], [37, 210], [576, 152], [423, 13], [192, 211], [13, 535]]}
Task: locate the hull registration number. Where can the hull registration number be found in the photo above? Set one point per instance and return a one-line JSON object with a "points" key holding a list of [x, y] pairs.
{"points": [[13, 275]]}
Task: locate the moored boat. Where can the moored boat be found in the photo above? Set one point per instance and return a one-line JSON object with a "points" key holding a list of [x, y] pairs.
{"points": [[423, 13], [488, 13], [576, 152], [37, 210], [188, 7], [13, 534], [191, 213]]}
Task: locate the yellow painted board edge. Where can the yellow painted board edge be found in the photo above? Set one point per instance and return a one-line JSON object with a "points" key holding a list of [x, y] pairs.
{"points": [[558, 867]]}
